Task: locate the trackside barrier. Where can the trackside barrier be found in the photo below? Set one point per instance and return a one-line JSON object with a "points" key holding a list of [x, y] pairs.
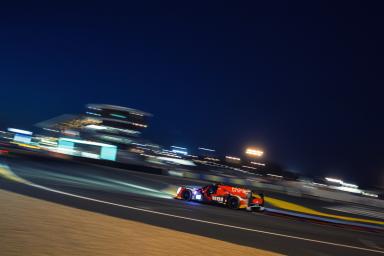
{"points": [[322, 219]]}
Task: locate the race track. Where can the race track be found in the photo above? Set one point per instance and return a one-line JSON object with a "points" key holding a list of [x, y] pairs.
{"points": [[148, 198]]}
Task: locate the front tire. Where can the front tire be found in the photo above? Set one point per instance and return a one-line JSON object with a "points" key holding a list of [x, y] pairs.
{"points": [[187, 195], [233, 203]]}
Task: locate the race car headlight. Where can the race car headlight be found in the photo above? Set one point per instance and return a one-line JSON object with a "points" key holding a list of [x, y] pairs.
{"points": [[198, 197], [178, 190]]}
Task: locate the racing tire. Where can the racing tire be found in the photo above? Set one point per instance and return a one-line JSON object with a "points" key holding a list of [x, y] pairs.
{"points": [[187, 195], [233, 203]]}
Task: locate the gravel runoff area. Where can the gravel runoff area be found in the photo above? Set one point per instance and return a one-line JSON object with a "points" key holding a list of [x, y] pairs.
{"points": [[30, 226]]}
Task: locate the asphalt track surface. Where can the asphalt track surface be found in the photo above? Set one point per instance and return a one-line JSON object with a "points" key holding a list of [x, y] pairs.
{"points": [[147, 198]]}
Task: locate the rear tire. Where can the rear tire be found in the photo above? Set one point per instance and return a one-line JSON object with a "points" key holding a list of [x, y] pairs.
{"points": [[233, 203], [187, 195]]}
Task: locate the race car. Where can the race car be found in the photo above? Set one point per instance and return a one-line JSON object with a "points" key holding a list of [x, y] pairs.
{"points": [[232, 197]]}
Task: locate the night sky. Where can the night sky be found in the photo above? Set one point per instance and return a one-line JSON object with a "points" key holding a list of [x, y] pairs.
{"points": [[303, 81]]}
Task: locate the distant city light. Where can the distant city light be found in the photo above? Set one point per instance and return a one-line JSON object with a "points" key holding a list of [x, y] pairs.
{"points": [[22, 138], [256, 163], [179, 147], [369, 194], [96, 127], [254, 152], [212, 159], [342, 183], [176, 161], [119, 116], [90, 155], [348, 189], [137, 114], [139, 125], [19, 131], [249, 167], [349, 185], [179, 150], [232, 158], [71, 133], [98, 109], [86, 142], [334, 180], [275, 176], [91, 113], [319, 184], [49, 142], [102, 127], [50, 130], [207, 149]]}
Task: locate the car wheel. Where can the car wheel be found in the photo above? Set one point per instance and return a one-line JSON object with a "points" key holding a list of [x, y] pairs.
{"points": [[233, 203], [187, 195]]}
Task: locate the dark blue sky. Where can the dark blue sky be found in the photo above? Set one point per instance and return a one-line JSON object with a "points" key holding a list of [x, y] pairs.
{"points": [[303, 81]]}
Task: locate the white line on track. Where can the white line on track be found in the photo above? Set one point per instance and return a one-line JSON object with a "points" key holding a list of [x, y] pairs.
{"points": [[202, 221]]}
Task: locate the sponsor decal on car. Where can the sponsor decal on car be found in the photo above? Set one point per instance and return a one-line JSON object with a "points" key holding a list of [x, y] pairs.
{"points": [[239, 190], [218, 199]]}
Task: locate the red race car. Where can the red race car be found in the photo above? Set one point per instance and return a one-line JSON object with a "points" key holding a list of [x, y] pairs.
{"points": [[232, 197]]}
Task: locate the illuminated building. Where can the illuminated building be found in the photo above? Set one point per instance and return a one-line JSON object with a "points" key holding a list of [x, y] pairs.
{"points": [[179, 150], [94, 150], [21, 136], [120, 119], [253, 152], [112, 124], [115, 123]]}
